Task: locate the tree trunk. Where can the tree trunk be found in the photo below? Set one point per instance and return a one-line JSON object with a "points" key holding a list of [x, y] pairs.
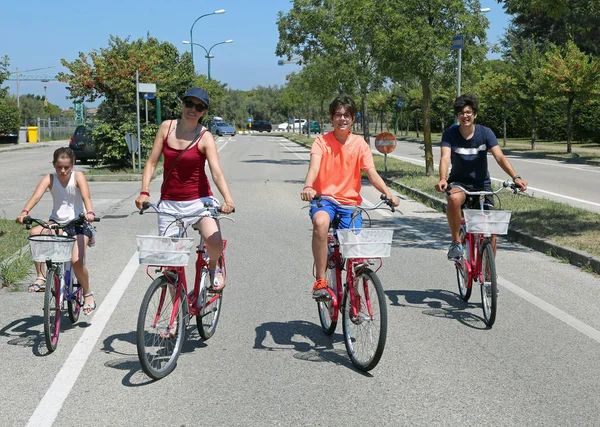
{"points": [[504, 130], [429, 171], [417, 124], [533, 126], [381, 123], [569, 106], [365, 116]]}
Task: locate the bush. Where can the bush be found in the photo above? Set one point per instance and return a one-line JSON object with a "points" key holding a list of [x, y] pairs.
{"points": [[109, 140], [10, 119]]}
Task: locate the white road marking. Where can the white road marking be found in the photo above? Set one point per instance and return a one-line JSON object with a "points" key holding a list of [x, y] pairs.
{"points": [[293, 152], [553, 163], [52, 402]]}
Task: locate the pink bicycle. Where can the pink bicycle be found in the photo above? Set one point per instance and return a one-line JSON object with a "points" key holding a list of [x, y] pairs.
{"points": [[167, 307], [360, 297], [478, 261]]}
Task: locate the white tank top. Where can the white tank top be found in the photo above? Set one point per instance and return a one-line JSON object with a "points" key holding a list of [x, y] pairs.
{"points": [[67, 201]]}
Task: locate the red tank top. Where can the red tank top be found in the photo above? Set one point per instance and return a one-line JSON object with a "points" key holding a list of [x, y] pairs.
{"points": [[187, 181]]}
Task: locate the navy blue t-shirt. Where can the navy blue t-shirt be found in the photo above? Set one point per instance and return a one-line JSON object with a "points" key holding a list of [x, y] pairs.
{"points": [[469, 157]]}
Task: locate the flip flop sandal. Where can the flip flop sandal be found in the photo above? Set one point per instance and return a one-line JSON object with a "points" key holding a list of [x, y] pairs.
{"points": [[169, 332], [90, 307], [216, 287], [36, 287]]}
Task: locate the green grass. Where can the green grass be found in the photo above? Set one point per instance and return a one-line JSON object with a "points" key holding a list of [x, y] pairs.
{"points": [[561, 223], [116, 170], [12, 239]]}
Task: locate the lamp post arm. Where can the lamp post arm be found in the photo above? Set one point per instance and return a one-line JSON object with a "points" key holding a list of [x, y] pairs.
{"points": [[192, 31], [211, 48]]}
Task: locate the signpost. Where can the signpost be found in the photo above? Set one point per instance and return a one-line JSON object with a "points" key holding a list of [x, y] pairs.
{"points": [[143, 88], [385, 143], [133, 147]]}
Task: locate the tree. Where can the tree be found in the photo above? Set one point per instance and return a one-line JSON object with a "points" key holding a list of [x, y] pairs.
{"points": [[418, 37], [342, 31], [574, 75], [4, 75], [32, 108], [10, 119], [499, 89]]}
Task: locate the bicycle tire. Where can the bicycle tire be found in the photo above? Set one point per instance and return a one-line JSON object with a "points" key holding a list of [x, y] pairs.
{"points": [[325, 308], [157, 350], [489, 284], [365, 356], [52, 311], [462, 273], [75, 303], [208, 318]]}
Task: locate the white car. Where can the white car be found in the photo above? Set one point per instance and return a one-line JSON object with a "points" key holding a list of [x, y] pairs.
{"points": [[291, 127]]}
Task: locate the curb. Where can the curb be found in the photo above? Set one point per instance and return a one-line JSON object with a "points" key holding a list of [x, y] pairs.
{"points": [[123, 177], [574, 256]]}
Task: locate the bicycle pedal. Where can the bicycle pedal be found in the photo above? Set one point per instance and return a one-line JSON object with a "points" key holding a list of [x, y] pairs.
{"points": [[323, 297]]}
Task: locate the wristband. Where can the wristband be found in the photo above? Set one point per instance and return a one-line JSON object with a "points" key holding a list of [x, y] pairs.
{"points": [[443, 177], [144, 193], [516, 177], [307, 186], [91, 213], [26, 211]]}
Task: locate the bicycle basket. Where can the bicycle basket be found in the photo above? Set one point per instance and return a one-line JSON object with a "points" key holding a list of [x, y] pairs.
{"points": [[164, 251], [487, 222], [55, 248], [365, 242]]}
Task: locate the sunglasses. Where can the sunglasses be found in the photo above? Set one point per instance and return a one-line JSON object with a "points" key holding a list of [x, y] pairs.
{"points": [[199, 107]]}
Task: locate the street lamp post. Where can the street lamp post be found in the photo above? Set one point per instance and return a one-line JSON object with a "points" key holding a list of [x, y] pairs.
{"points": [[208, 55], [216, 12]]}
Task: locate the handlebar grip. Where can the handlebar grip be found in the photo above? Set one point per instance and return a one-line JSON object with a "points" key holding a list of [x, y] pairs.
{"points": [[27, 220], [317, 198], [96, 219], [145, 205]]}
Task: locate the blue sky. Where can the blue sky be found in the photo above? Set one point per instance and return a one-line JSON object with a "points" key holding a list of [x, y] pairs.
{"points": [[37, 34]]}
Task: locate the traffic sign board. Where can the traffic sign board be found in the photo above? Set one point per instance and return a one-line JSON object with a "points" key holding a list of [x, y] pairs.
{"points": [[458, 42], [385, 142]]}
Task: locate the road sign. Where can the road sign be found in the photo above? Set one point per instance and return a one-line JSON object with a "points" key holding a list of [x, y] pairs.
{"points": [[400, 103], [385, 142], [148, 96], [458, 42], [147, 87], [249, 119]]}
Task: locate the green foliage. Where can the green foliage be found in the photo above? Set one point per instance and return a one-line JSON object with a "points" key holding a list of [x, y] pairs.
{"points": [[33, 106], [110, 141], [10, 118], [4, 74]]}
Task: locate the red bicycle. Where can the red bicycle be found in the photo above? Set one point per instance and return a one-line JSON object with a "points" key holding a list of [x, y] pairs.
{"points": [[167, 307], [478, 261], [360, 298]]}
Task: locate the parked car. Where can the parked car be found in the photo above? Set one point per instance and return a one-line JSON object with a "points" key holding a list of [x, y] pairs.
{"points": [[292, 126], [82, 145], [221, 128], [262, 126], [283, 127], [315, 127]]}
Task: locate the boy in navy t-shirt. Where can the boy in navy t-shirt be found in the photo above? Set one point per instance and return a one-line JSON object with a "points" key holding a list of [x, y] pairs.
{"points": [[465, 147]]}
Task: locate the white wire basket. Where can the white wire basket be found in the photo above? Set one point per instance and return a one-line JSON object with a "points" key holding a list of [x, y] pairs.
{"points": [[487, 222], [365, 242], [55, 248], [164, 251]]}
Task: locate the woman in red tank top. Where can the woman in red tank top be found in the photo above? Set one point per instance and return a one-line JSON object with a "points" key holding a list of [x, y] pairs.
{"points": [[186, 146]]}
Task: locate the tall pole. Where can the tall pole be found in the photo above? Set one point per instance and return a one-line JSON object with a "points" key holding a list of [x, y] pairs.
{"points": [[459, 72], [208, 57], [216, 12], [137, 100], [18, 103]]}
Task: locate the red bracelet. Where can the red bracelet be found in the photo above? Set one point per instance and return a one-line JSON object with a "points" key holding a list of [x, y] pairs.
{"points": [[443, 177], [307, 186], [26, 211], [91, 213], [144, 193]]}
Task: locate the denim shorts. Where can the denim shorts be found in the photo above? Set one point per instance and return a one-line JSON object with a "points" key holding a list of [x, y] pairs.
{"points": [[345, 214], [85, 229]]}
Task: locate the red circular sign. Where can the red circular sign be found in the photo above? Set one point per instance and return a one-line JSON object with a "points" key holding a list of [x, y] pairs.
{"points": [[385, 142]]}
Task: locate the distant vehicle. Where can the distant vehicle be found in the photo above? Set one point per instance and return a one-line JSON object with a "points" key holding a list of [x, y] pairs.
{"points": [[82, 145], [315, 127], [283, 127], [262, 126], [221, 128], [291, 126]]}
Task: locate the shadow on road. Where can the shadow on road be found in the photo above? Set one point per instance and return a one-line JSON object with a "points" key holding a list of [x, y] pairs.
{"points": [[439, 303], [305, 339]]}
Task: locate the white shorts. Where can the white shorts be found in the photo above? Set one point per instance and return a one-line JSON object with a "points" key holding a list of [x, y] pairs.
{"points": [[166, 225]]}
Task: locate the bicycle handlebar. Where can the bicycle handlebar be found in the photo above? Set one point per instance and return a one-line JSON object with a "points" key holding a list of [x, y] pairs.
{"points": [[80, 220], [215, 212], [383, 197], [506, 184]]}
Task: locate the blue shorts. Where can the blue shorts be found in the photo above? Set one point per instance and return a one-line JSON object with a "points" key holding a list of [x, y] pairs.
{"points": [[332, 209]]}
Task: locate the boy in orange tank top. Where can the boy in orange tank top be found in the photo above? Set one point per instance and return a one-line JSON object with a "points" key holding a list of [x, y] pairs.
{"points": [[336, 161]]}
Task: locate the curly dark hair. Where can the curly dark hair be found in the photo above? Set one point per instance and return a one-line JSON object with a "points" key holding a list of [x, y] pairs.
{"points": [[343, 101], [466, 101]]}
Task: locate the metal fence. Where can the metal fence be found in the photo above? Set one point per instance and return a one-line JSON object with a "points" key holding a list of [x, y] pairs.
{"points": [[55, 129]]}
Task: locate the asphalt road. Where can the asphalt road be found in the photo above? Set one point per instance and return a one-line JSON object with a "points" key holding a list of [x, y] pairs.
{"points": [[573, 184], [269, 363]]}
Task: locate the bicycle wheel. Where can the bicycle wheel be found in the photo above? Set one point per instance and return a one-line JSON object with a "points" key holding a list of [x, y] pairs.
{"points": [[325, 308], [75, 303], [159, 345], [52, 310], [462, 273], [365, 320], [208, 317], [489, 284]]}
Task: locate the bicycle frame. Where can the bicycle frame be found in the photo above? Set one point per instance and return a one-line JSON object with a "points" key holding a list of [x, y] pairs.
{"points": [[473, 264]]}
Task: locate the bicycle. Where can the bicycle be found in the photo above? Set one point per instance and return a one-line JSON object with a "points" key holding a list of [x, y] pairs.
{"points": [[167, 307], [364, 318], [56, 250], [478, 261]]}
